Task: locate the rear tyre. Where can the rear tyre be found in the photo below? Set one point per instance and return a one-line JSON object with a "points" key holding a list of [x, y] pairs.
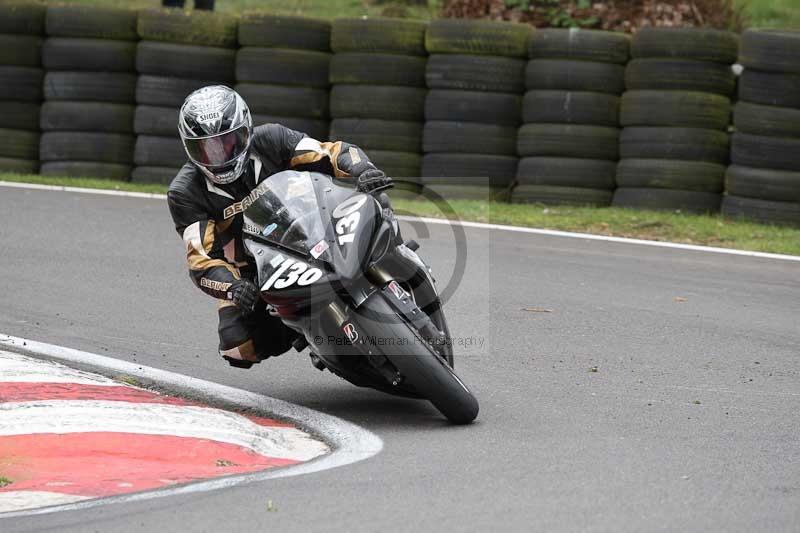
{"points": [[419, 365]]}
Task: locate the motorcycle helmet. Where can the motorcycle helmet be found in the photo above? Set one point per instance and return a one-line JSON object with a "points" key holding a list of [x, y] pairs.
{"points": [[216, 129]]}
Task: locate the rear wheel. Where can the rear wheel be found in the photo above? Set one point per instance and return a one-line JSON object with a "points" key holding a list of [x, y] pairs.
{"points": [[417, 362]]}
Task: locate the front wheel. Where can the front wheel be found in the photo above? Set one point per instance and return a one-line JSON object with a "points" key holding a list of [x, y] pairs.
{"points": [[416, 361]]}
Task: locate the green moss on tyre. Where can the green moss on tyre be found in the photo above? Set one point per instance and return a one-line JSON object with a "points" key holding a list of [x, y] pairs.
{"points": [[575, 43], [284, 31], [689, 109], [386, 35], [96, 22], [457, 36], [176, 26]]}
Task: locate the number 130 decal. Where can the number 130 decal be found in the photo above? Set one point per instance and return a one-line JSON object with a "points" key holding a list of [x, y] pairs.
{"points": [[292, 272], [347, 218]]}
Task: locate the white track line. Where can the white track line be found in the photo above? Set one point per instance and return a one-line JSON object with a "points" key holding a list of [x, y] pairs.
{"points": [[84, 190], [592, 237], [349, 442], [476, 225]]}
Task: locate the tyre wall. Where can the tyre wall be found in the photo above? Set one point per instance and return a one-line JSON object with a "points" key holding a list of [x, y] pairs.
{"points": [[443, 101], [21, 31], [282, 71], [473, 107], [87, 117], [569, 142], [378, 93], [763, 181], [676, 114], [178, 53]]}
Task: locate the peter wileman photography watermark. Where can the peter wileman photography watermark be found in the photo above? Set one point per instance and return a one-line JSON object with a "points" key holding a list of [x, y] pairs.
{"points": [[383, 342]]}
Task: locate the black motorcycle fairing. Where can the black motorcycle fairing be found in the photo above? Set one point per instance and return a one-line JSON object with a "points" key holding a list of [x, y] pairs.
{"points": [[314, 218], [288, 300], [328, 258], [353, 219]]}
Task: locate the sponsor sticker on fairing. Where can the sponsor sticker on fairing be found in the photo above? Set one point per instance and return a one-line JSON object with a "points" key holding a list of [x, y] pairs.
{"points": [[269, 229], [277, 260], [397, 290], [319, 249], [251, 228], [350, 331]]}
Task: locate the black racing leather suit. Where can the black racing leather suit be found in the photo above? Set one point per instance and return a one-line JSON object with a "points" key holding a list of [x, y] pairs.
{"points": [[209, 218]]}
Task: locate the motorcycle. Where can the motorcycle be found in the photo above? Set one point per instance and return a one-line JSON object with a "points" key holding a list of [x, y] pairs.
{"points": [[332, 265]]}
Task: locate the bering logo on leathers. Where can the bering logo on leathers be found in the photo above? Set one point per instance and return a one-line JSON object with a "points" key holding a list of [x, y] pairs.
{"points": [[239, 207]]}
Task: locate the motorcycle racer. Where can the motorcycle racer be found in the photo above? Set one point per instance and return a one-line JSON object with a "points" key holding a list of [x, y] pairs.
{"points": [[228, 158]]}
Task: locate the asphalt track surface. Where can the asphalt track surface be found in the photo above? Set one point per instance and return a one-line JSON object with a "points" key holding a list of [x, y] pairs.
{"points": [[691, 421]]}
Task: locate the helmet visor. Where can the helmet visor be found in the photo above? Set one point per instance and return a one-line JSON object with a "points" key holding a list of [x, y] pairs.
{"points": [[217, 150]]}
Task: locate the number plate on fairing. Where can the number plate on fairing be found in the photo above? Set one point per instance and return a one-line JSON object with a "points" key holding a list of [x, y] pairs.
{"points": [[290, 272]]}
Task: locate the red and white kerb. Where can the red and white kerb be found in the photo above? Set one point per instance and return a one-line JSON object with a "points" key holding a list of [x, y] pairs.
{"points": [[68, 435]]}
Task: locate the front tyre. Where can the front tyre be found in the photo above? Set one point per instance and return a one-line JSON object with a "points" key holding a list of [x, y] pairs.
{"points": [[417, 362]]}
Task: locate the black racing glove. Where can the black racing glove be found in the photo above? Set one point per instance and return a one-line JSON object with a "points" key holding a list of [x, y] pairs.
{"points": [[373, 180], [244, 295]]}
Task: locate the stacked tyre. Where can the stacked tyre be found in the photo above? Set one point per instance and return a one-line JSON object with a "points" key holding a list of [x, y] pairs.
{"points": [[282, 70], [378, 94], [475, 77], [87, 117], [763, 183], [21, 28], [569, 142], [178, 54], [676, 114]]}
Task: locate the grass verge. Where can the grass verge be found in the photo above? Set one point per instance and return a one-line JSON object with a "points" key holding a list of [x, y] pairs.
{"points": [[708, 230], [772, 13], [4, 482]]}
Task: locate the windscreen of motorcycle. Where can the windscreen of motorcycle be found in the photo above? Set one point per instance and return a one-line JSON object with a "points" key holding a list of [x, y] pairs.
{"points": [[283, 209]]}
